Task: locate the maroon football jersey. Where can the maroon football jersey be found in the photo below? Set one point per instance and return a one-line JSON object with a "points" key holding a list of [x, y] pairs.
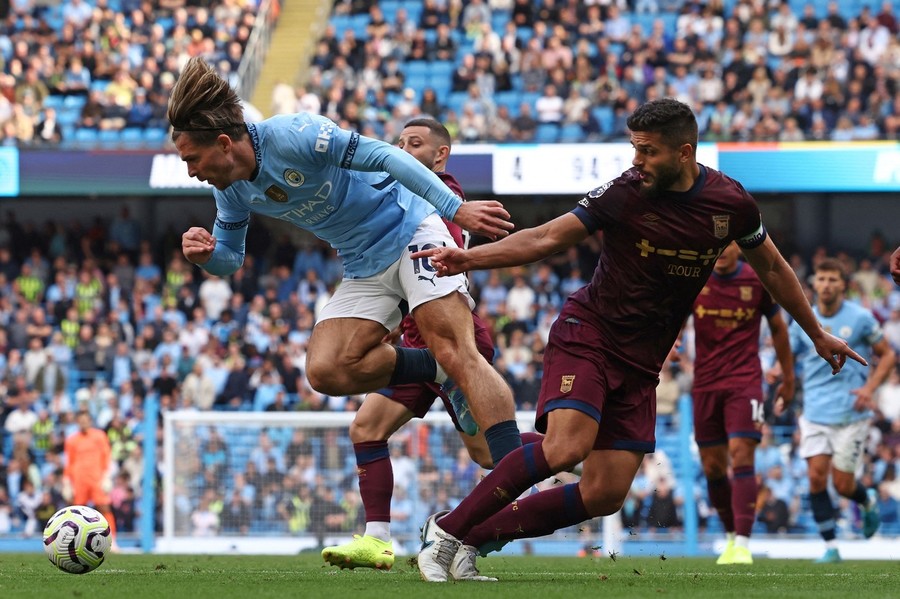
{"points": [[727, 316], [657, 255], [411, 336]]}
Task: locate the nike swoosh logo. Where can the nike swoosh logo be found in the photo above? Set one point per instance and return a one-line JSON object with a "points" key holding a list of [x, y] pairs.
{"points": [[427, 544]]}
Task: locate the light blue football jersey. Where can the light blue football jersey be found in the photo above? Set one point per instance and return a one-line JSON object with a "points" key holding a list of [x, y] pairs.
{"points": [[361, 195], [826, 397]]}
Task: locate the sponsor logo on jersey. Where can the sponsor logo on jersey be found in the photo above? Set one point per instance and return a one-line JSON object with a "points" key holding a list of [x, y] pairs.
{"points": [[323, 139], [567, 381], [276, 194], [293, 177], [720, 226]]}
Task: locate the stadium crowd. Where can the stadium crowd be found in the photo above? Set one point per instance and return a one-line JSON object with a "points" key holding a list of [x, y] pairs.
{"points": [[491, 70], [95, 318]]}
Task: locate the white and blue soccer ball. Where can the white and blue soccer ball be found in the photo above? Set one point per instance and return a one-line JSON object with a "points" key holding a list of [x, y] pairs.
{"points": [[77, 539]]}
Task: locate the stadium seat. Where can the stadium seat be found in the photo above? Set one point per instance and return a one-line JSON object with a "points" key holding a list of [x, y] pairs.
{"points": [[605, 117], [571, 133], [546, 133], [132, 136], [155, 135], [86, 136], [109, 136]]}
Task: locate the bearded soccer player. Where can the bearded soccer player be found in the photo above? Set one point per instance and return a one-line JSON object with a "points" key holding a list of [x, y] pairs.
{"points": [[727, 391], [665, 221], [385, 411], [88, 470]]}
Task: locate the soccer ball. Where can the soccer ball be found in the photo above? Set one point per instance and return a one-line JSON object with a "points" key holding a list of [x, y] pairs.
{"points": [[77, 539]]}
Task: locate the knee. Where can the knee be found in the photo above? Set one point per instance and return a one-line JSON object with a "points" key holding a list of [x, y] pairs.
{"points": [[600, 501], [845, 488], [563, 455], [326, 377]]}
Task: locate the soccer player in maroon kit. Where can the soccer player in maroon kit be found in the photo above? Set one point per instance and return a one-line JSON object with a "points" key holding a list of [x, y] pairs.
{"points": [[665, 221], [385, 411], [727, 390]]}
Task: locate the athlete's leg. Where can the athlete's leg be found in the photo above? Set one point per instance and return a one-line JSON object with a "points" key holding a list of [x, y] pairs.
{"points": [[604, 484], [446, 327], [742, 451], [346, 356], [569, 440], [376, 420], [714, 459], [818, 469]]}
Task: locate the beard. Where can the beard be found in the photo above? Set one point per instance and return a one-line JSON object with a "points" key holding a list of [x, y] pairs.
{"points": [[663, 179]]}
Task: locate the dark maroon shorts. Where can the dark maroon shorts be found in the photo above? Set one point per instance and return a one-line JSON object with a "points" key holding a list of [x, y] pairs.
{"points": [[722, 414], [418, 397], [580, 375]]}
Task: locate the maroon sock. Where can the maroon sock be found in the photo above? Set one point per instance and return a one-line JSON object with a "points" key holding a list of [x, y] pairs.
{"points": [[720, 497], [514, 475], [537, 515], [376, 479], [743, 499], [531, 438]]}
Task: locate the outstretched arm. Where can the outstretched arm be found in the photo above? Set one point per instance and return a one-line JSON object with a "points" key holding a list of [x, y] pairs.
{"points": [[487, 218], [523, 247], [782, 283]]}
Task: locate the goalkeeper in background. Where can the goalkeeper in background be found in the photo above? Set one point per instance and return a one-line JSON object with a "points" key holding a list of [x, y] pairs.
{"points": [[87, 477]]}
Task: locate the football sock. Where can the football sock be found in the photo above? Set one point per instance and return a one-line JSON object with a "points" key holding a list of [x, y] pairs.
{"points": [[502, 438], [413, 366], [720, 497], [743, 499], [379, 530], [823, 514], [859, 495], [742, 541], [515, 474], [376, 480], [537, 515]]}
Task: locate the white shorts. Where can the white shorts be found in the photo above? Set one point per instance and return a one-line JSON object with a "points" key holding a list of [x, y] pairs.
{"points": [[844, 443], [401, 287]]}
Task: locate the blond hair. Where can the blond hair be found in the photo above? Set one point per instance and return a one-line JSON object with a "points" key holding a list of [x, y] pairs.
{"points": [[204, 105]]}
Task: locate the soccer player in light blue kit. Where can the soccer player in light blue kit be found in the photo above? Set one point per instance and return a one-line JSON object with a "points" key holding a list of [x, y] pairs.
{"points": [[837, 409], [365, 198]]}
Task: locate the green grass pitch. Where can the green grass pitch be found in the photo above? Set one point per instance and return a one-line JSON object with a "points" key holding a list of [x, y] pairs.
{"points": [[305, 576]]}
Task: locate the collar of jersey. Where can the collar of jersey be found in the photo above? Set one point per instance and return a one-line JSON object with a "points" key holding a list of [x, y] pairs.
{"points": [[257, 152], [695, 188]]}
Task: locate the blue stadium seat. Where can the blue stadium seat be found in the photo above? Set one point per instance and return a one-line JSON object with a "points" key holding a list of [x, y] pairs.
{"points": [[441, 68], [605, 117], [108, 136], [546, 133], [54, 101], [571, 133], [84, 135], [155, 135], [416, 68], [68, 116], [132, 136]]}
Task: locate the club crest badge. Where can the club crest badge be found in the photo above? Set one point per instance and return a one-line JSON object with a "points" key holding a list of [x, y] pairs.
{"points": [[746, 293], [567, 381], [720, 226], [293, 177]]}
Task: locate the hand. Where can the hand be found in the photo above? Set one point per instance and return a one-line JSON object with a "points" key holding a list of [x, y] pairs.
{"points": [[106, 484], [863, 400], [486, 218], [895, 266], [197, 245], [784, 396], [446, 261], [835, 351]]}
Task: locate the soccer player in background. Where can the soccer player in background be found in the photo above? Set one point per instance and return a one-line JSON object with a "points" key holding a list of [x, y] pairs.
{"points": [[664, 223], [837, 411], [87, 476], [727, 391], [365, 198], [383, 412]]}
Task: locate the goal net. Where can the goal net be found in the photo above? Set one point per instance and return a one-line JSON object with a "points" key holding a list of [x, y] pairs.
{"points": [[261, 482]]}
